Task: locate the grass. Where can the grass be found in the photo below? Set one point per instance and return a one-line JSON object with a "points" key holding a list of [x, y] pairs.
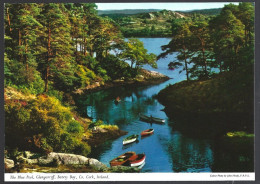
{"points": [[239, 134], [109, 127]]}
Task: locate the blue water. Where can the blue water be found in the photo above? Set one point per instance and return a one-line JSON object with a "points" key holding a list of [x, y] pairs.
{"points": [[167, 150]]}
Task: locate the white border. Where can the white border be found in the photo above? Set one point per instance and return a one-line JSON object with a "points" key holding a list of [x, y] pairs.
{"points": [[129, 177]]}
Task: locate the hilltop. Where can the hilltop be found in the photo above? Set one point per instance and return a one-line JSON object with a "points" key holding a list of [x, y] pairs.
{"points": [[213, 11], [126, 11], [149, 24]]}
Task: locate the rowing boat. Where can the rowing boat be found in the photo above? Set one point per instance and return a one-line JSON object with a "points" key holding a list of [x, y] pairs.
{"points": [[151, 119], [147, 132], [130, 139], [122, 159], [137, 160]]}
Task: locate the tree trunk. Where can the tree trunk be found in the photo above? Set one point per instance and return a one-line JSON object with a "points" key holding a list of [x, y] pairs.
{"points": [[8, 19], [220, 66], [204, 61], [85, 51], [19, 37], [186, 64], [20, 44], [25, 57], [46, 79], [48, 61]]}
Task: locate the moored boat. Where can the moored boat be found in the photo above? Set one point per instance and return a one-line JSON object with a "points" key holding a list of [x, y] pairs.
{"points": [[130, 139], [151, 119], [147, 132], [122, 159], [137, 160], [117, 100]]}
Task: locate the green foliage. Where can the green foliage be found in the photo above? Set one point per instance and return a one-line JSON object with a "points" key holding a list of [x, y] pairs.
{"points": [[117, 69], [109, 127], [227, 92], [181, 42], [85, 76], [43, 125], [75, 127], [134, 51], [55, 93], [205, 43], [239, 134], [152, 24]]}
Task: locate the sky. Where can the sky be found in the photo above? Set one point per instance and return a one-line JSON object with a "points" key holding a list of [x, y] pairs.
{"points": [[167, 6]]}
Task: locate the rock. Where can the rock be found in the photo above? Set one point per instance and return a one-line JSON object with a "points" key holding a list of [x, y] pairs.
{"points": [[97, 165], [70, 159], [31, 161], [63, 158], [27, 154], [47, 161], [8, 163]]}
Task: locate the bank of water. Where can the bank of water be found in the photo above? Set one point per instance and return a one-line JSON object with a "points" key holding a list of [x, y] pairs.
{"points": [[167, 150]]}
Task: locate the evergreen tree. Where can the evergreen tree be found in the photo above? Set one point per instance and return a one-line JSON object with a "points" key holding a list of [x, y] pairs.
{"points": [[134, 51], [57, 58], [180, 42], [228, 37], [201, 46]]}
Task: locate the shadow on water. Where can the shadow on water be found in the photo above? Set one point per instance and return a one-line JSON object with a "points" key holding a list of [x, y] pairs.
{"points": [[185, 143], [130, 145], [210, 125], [99, 105], [230, 154], [190, 155]]}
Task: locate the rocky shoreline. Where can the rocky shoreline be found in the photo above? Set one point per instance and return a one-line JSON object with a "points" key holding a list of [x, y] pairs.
{"points": [[145, 77], [101, 135], [27, 162]]}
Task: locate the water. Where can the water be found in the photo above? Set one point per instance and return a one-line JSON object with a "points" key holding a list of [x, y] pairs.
{"points": [[167, 150]]}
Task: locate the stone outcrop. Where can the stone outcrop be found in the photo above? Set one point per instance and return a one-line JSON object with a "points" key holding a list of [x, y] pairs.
{"points": [[54, 159], [9, 164]]}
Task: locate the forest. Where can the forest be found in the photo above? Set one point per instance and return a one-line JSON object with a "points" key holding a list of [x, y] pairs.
{"points": [[210, 45], [52, 49]]}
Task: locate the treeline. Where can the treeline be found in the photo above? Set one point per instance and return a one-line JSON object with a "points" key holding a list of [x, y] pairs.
{"points": [[52, 45], [213, 11], [211, 45], [150, 24], [61, 47], [52, 49]]}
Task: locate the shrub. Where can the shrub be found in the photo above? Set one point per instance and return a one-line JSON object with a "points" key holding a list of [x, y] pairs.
{"points": [[109, 127], [43, 125], [75, 127]]}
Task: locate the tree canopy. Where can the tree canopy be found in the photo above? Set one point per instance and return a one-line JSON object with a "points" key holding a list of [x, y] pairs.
{"points": [[207, 44], [134, 51]]}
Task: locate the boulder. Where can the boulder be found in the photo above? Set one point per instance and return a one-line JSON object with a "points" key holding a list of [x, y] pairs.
{"points": [[27, 154], [97, 165], [8, 163], [31, 161], [63, 158]]}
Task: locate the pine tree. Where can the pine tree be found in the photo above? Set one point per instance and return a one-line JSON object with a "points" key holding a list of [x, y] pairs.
{"points": [[180, 42], [56, 40]]}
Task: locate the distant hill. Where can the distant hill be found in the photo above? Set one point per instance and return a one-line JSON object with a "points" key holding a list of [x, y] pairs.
{"points": [[148, 24], [126, 11], [213, 11]]}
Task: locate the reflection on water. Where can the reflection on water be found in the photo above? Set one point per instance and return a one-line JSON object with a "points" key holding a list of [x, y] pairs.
{"points": [[168, 149]]}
